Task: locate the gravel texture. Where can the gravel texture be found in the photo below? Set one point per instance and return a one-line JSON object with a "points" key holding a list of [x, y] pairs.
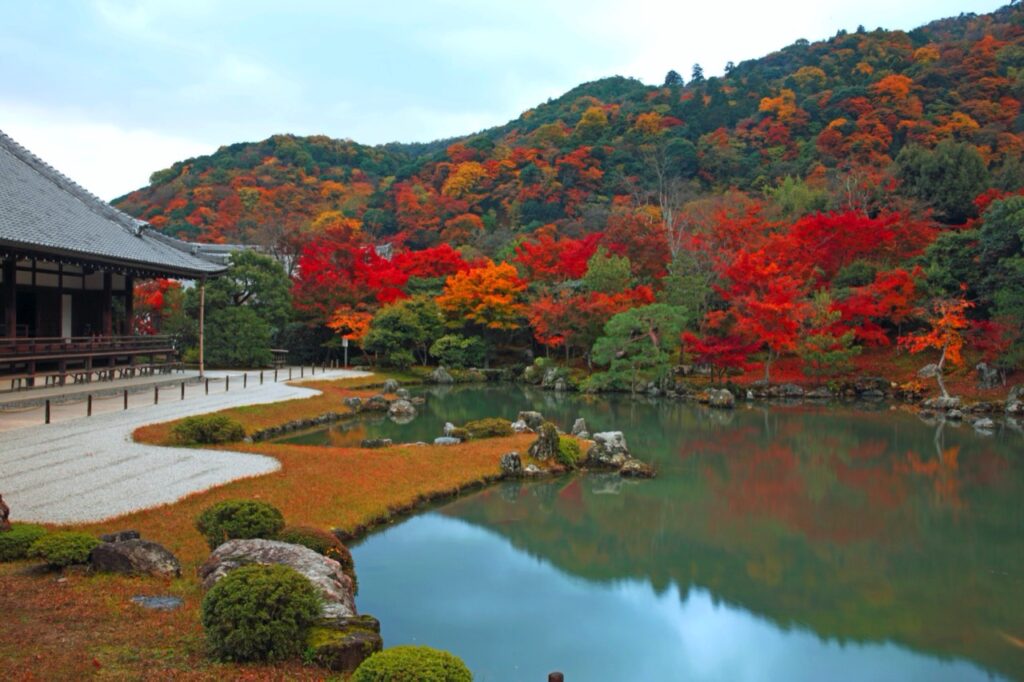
{"points": [[89, 469]]}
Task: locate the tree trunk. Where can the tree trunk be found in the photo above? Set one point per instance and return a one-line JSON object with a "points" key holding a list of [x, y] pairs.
{"points": [[938, 374]]}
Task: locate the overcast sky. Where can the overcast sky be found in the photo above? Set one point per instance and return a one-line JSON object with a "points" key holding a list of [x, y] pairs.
{"points": [[109, 91]]}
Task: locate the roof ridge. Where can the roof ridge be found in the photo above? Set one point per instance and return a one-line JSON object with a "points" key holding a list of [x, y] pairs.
{"points": [[90, 200]]}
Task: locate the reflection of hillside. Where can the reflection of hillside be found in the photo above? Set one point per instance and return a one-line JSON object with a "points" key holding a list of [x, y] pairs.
{"points": [[858, 528]]}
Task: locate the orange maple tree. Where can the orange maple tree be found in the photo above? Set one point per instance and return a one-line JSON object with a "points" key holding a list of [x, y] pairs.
{"points": [[490, 297], [947, 320]]}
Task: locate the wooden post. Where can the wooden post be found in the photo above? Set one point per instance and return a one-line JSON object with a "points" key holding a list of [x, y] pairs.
{"points": [[129, 305], [10, 297], [183, 390], [202, 324], [88, 405], [108, 305], [47, 412], [156, 395], [261, 377], [207, 386], [227, 382], [126, 398], [245, 379]]}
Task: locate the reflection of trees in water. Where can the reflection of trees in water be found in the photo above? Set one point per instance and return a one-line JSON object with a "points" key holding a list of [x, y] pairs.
{"points": [[862, 526]]}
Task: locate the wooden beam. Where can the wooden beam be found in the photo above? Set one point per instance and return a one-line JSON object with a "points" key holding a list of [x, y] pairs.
{"points": [[202, 324], [10, 297]]}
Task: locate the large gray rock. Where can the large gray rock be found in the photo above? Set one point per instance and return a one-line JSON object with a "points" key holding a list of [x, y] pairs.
{"points": [[546, 445], [377, 403], [353, 403], [988, 376], [441, 376], [341, 646], [446, 440], [390, 386], [943, 403], [579, 428], [788, 391], [511, 464], [135, 556], [532, 419], [609, 450], [721, 398], [519, 426], [401, 408], [929, 371], [325, 574]]}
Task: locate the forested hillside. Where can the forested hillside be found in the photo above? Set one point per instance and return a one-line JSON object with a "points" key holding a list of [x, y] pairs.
{"points": [[826, 198]]}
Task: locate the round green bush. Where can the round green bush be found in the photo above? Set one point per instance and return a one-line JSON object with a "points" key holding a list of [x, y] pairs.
{"points": [[409, 663], [568, 451], [259, 613], [491, 427], [15, 542], [207, 429], [322, 542], [242, 519], [64, 548]]}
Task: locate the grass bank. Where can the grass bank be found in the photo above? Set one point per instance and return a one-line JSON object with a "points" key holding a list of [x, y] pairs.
{"points": [[73, 626]]}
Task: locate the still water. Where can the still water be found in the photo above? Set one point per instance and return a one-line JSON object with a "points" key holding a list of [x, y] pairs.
{"points": [[777, 543]]}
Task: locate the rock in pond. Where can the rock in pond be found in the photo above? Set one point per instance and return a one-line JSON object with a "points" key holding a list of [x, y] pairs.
{"points": [[579, 428], [441, 376], [377, 403], [401, 408], [985, 425], [353, 403], [634, 468], [531, 418], [341, 646], [721, 398], [546, 445], [519, 426], [511, 464], [135, 556], [390, 386], [327, 576], [403, 393], [608, 451], [942, 403]]}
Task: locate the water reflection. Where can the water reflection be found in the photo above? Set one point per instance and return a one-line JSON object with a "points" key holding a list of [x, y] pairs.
{"points": [[516, 617], [882, 538]]}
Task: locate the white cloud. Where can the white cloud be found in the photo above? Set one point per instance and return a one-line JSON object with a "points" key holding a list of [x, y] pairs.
{"points": [[105, 159]]}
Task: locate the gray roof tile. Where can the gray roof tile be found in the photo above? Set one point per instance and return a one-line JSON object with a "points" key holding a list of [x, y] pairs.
{"points": [[43, 211]]}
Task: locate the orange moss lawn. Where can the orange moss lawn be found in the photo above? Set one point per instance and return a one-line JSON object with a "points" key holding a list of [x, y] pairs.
{"points": [[75, 626]]}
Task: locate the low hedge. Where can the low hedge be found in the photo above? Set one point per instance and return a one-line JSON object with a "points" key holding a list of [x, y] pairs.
{"points": [[14, 543], [408, 663], [64, 548], [259, 613], [207, 429], [239, 519], [491, 427]]}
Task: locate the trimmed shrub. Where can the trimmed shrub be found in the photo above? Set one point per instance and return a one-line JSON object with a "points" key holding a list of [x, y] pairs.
{"points": [[568, 451], [452, 350], [239, 519], [14, 543], [207, 429], [492, 427], [408, 663], [259, 613], [64, 548], [322, 542], [460, 433]]}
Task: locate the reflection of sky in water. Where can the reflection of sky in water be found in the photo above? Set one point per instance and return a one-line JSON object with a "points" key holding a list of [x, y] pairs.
{"points": [[445, 583]]}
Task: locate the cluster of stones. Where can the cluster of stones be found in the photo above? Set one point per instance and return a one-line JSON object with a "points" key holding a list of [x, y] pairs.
{"points": [[979, 414], [608, 450]]}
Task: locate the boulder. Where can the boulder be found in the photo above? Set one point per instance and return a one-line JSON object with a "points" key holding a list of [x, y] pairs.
{"points": [[532, 419], [954, 415], [390, 386], [821, 393], [579, 428], [787, 391], [519, 426], [446, 440], [449, 428], [561, 385], [721, 398], [403, 393], [325, 574], [441, 376], [1016, 393], [511, 464], [634, 468], [608, 451], [546, 445], [942, 403], [984, 424], [988, 376], [341, 646], [375, 443], [134, 556], [377, 403], [865, 384], [401, 408], [532, 470], [929, 371]]}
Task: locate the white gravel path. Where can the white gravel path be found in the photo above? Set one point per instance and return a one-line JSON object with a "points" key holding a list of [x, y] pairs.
{"points": [[89, 469]]}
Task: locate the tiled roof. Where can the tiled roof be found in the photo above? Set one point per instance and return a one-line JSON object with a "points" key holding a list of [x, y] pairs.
{"points": [[44, 212]]}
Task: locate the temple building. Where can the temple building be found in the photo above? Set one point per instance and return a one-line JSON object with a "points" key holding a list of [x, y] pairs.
{"points": [[68, 264]]}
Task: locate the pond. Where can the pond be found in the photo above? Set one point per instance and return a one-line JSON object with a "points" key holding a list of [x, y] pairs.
{"points": [[782, 542]]}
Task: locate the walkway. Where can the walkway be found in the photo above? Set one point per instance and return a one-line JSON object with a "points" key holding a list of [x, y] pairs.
{"points": [[86, 469]]}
